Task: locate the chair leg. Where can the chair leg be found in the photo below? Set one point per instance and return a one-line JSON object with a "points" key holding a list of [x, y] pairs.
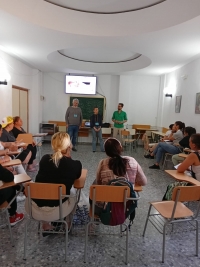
{"points": [[127, 235], [163, 167], [197, 240], [66, 240], [163, 246], [147, 219], [86, 242], [9, 227], [25, 239]]}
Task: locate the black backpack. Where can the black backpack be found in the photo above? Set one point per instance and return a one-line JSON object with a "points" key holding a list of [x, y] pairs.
{"points": [[113, 213]]}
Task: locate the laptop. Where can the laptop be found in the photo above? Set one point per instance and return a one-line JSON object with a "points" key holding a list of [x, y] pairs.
{"points": [[87, 124]]}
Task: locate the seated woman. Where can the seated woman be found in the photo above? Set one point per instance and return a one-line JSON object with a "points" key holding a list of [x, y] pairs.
{"points": [[164, 147], [193, 159], [8, 194], [4, 158], [8, 141], [184, 143], [117, 166], [17, 129], [165, 138], [58, 168]]}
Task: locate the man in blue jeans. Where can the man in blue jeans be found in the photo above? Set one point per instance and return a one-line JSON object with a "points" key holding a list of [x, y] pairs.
{"points": [[73, 120], [95, 124]]}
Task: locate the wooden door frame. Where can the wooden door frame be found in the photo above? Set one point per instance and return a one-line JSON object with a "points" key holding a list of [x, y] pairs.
{"points": [[24, 89]]}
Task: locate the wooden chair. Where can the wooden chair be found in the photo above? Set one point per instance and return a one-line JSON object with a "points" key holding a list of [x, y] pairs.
{"points": [[167, 158], [50, 192], [146, 143], [174, 211], [105, 193], [127, 138]]}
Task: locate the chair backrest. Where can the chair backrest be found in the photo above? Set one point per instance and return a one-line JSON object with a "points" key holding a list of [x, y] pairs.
{"points": [[62, 129], [106, 130], [125, 133], [109, 193], [164, 130], [45, 190], [25, 138], [187, 193]]}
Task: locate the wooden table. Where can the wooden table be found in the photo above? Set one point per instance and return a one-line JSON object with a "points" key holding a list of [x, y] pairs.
{"points": [[182, 177], [10, 163], [18, 179], [137, 188]]}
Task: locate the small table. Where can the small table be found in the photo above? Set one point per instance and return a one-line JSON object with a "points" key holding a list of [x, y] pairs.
{"points": [[18, 179], [40, 134], [182, 177], [137, 188], [10, 163]]}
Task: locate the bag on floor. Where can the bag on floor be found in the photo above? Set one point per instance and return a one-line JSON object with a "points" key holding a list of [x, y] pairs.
{"points": [[81, 216], [170, 188], [113, 212]]}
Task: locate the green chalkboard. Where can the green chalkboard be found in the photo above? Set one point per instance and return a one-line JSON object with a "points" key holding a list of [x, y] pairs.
{"points": [[87, 105]]}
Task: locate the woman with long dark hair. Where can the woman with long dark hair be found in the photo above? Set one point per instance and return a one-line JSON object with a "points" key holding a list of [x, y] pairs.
{"points": [[115, 166]]}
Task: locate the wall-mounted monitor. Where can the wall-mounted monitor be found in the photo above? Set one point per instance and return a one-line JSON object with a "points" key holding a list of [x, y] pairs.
{"points": [[83, 85]]}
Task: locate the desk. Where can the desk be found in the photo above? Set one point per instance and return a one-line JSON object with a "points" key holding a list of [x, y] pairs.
{"points": [[188, 150], [10, 163], [182, 177], [40, 134], [137, 188], [182, 155], [18, 179]]}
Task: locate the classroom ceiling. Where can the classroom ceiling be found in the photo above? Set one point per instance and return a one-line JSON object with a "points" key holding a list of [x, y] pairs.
{"points": [[148, 37]]}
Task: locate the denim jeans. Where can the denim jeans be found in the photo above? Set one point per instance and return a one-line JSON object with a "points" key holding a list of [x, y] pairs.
{"points": [[162, 148], [94, 139], [73, 133]]}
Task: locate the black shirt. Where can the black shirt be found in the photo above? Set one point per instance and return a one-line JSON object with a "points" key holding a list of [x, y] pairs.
{"points": [[66, 173], [95, 120], [185, 142], [16, 131]]}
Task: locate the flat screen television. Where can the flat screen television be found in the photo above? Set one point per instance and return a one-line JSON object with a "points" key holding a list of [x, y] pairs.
{"points": [[83, 85]]}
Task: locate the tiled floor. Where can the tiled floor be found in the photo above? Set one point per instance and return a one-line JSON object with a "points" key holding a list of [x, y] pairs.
{"points": [[103, 250]]}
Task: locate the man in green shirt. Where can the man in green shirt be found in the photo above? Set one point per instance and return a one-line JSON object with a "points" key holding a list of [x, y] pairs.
{"points": [[119, 118]]}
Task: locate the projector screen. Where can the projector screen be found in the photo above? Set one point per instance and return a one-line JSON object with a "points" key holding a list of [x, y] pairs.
{"points": [[83, 85]]}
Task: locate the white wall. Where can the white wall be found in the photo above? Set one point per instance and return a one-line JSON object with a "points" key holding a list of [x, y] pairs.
{"points": [[140, 95], [23, 76], [178, 85], [56, 101]]}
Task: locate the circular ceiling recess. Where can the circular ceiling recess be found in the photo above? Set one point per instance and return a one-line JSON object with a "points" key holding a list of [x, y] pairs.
{"points": [[99, 55], [105, 6]]}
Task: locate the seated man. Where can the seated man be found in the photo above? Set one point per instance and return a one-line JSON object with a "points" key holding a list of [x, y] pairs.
{"points": [[8, 194]]}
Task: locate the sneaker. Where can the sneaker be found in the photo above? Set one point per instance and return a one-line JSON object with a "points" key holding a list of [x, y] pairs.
{"points": [[18, 217], [149, 156], [94, 151], [74, 149], [154, 166]]}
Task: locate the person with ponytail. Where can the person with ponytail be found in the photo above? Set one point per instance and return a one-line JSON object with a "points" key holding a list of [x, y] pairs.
{"points": [[115, 166], [58, 168], [172, 148]]}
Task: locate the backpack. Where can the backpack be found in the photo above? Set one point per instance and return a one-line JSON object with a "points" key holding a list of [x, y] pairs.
{"points": [[113, 212], [170, 188]]}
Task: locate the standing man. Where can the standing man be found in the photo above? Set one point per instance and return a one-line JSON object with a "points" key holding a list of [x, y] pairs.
{"points": [[119, 118], [73, 120], [95, 124]]}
